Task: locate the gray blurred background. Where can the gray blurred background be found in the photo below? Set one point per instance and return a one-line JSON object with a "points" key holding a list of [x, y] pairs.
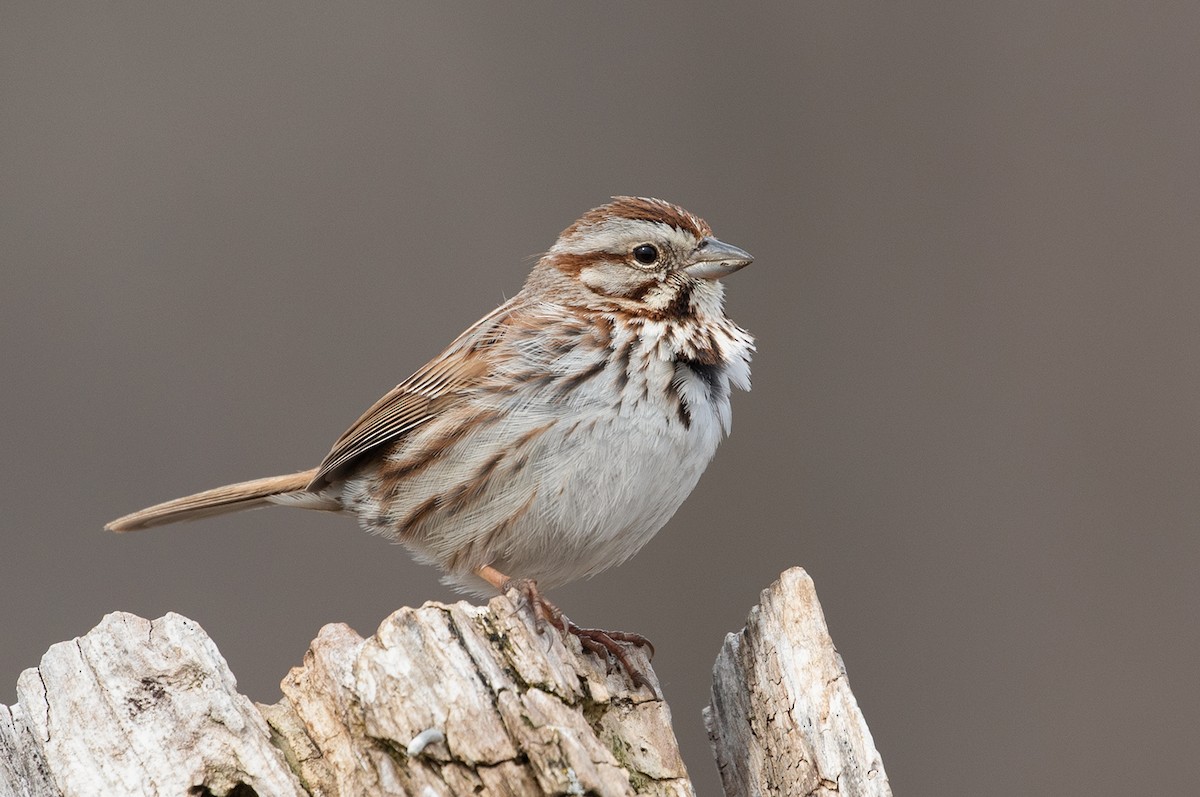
{"points": [[226, 230]]}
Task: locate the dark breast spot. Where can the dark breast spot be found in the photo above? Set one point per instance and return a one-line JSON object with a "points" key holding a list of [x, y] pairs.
{"points": [[710, 373], [680, 305]]}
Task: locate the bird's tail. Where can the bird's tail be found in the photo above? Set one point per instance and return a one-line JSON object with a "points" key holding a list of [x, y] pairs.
{"points": [[291, 490]]}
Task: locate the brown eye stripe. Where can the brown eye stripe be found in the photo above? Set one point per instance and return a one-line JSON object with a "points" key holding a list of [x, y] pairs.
{"points": [[569, 263]]}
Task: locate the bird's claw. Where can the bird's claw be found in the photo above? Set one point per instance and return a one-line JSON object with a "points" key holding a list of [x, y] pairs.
{"points": [[608, 645]]}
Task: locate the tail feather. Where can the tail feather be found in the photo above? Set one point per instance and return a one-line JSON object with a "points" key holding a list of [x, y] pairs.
{"points": [[289, 489]]}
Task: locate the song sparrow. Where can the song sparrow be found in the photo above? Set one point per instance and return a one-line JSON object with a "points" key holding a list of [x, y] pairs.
{"points": [[556, 435]]}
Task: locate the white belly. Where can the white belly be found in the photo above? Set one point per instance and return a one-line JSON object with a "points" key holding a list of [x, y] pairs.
{"points": [[605, 489]]}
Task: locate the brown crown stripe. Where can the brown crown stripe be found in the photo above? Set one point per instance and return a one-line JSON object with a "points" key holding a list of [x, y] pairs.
{"points": [[644, 209]]}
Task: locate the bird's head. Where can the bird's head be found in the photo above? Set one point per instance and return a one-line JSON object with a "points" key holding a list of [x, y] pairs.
{"points": [[640, 256]]}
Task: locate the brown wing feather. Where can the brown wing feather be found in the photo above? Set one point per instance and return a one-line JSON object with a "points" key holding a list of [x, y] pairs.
{"points": [[440, 384]]}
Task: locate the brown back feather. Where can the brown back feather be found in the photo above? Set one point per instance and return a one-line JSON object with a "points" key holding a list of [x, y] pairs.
{"points": [[424, 396]]}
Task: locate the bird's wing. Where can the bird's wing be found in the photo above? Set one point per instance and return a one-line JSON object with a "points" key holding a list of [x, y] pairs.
{"points": [[431, 391]]}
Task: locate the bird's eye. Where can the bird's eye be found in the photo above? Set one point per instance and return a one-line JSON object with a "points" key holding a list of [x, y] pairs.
{"points": [[645, 254]]}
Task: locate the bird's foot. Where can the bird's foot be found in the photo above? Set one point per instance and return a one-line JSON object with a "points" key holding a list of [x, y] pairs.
{"points": [[613, 645], [608, 645]]}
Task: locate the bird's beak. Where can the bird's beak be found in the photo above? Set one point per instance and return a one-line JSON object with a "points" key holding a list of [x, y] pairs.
{"points": [[714, 259]]}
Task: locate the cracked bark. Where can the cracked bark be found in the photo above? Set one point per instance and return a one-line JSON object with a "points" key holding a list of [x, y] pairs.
{"points": [[136, 707], [782, 718]]}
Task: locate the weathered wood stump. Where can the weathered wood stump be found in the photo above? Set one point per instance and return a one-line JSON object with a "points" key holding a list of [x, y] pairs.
{"points": [[441, 700], [782, 718]]}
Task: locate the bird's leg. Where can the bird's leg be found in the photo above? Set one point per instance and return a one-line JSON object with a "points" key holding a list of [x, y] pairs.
{"points": [[606, 644], [543, 610]]}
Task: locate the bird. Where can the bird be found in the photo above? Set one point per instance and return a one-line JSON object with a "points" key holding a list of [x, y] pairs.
{"points": [[555, 436]]}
